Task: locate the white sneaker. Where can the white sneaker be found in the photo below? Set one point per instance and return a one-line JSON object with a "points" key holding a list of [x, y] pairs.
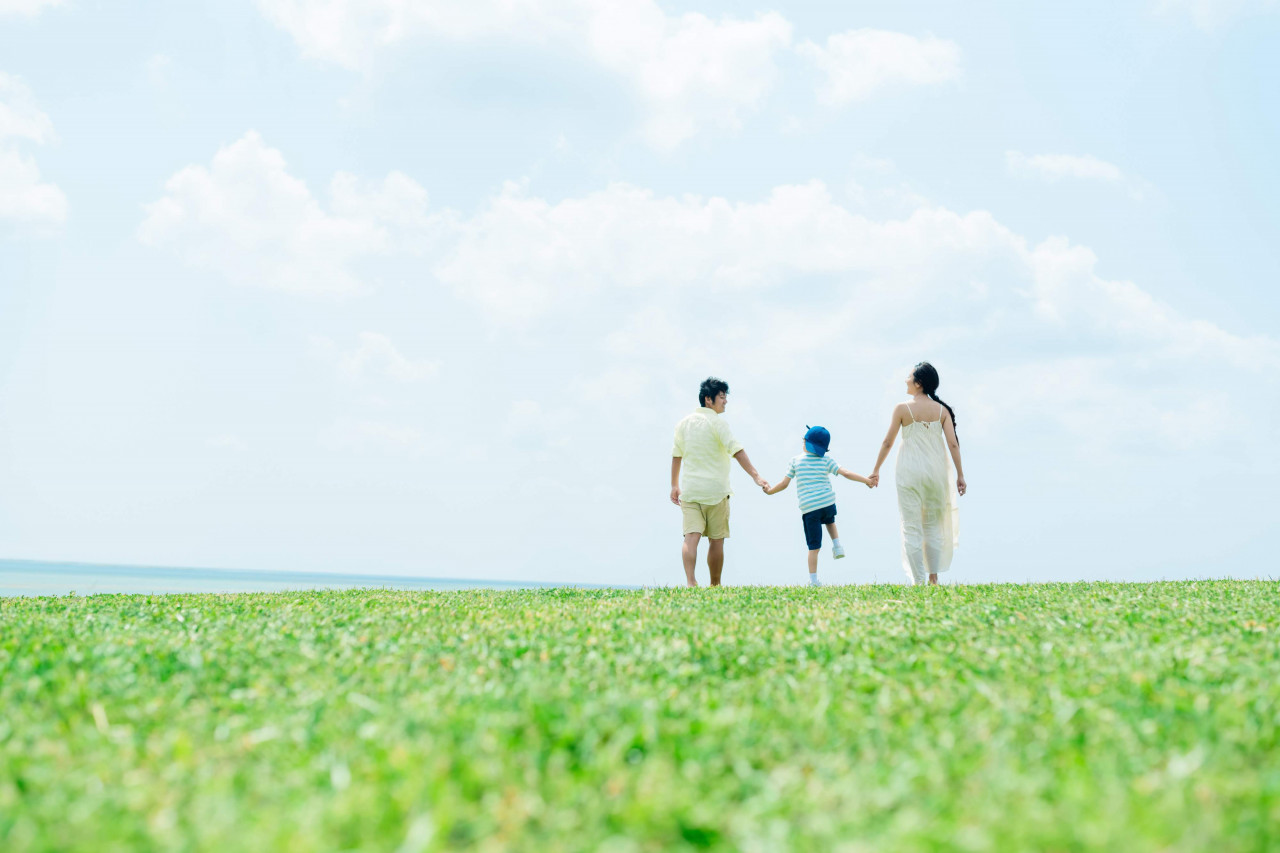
{"points": [[837, 552], [813, 580]]}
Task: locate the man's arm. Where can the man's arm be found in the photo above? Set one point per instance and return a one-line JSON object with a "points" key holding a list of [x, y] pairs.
{"points": [[745, 462], [675, 480]]}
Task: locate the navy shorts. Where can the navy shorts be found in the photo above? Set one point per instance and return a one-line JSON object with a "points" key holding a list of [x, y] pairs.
{"points": [[813, 521]]}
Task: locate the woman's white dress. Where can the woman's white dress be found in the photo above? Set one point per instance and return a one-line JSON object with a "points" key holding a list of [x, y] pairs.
{"points": [[926, 482]]}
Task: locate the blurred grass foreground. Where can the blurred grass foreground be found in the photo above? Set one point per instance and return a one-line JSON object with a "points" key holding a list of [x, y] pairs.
{"points": [[1053, 717]]}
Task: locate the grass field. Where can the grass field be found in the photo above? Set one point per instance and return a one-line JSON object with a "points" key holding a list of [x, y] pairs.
{"points": [[1056, 717]]}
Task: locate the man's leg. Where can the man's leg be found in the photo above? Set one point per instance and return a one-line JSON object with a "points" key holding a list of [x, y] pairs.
{"points": [[715, 560], [689, 553], [717, 532]]}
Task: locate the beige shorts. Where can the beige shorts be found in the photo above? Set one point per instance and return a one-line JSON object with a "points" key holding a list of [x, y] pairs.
{"points": [[711, 521]]}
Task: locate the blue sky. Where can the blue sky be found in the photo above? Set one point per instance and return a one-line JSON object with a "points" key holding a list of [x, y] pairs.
{"points": [[423, 288]]}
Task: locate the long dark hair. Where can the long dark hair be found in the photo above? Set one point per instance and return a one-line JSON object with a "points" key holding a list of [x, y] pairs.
{"points": [[926, 376]]}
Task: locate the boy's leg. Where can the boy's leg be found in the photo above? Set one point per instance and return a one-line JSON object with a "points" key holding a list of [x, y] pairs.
{"points": [[715, 560], [837, 550], [689, 553], [812, 522]]}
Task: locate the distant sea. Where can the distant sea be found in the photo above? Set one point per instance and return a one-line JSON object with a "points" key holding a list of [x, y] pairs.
{"points": [[33, 577]]}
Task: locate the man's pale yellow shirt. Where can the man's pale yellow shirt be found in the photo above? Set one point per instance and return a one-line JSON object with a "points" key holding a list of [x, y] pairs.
{"points": [[705, 444]]}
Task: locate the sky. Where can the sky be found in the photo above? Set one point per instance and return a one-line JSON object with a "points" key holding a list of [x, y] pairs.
{"points": [[423, 288]]}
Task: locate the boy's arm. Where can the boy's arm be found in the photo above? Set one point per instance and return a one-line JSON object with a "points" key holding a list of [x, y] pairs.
{"points": [[779, 486], [857, 478], [675, 479]]}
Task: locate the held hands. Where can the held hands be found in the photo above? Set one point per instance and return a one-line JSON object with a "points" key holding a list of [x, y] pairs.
{"points": [[873, 480], [762, 483]]}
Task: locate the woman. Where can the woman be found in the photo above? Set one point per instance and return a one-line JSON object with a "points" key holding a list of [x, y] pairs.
{"points": [[926, 501]]}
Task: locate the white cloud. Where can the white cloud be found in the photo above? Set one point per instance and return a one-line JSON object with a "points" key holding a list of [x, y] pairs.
{"points": [[1057, 167], [248, 218], [157, 69], [521, 255], [694, 280], [533, 422], [1068, 293], [24, 197], [227, 441], [692, 72], [875, 189], [1083, 398], [1209, 15], [26, 7], [861, 63], [366, 436], [20, 118], [375, 355], [776, 285]]}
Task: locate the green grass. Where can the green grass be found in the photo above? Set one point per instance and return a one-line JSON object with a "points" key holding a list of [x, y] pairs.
{"points": [[1056, 717]]}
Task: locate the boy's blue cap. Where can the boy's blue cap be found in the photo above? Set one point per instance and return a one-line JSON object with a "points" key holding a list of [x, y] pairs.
{"points": [[817, 440]]}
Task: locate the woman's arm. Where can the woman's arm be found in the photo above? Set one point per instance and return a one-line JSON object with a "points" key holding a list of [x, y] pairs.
{"points": [[779, 486], [949, 429], [889, 439]]}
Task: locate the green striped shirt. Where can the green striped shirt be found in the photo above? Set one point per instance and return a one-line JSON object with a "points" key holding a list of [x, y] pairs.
{"points": [[813, 480]]}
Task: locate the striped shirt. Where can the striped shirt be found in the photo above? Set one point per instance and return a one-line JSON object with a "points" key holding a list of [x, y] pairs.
{"points": [[813, 480]]}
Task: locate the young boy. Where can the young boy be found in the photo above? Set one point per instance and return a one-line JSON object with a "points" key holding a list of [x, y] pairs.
{"points": [[811, 471]]}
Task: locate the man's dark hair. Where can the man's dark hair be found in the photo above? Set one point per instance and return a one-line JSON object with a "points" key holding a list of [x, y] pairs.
{"points": [[711, 388]]}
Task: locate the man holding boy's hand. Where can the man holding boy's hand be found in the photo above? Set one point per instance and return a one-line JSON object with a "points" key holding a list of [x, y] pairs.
{"points": [[703, 447]]}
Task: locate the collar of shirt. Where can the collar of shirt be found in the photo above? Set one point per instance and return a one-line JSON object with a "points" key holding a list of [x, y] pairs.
{"points": [[706, 411]]}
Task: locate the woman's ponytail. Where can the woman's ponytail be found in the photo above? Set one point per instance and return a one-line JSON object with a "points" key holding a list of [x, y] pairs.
{"points": [[935, 398], [926, 376]]}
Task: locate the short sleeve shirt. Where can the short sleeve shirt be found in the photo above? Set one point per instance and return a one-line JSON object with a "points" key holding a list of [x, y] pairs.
{"points": [[813, 480], [706, 444]]}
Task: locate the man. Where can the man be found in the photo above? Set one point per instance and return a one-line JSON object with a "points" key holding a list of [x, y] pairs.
{"points": [[703, 447]]}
